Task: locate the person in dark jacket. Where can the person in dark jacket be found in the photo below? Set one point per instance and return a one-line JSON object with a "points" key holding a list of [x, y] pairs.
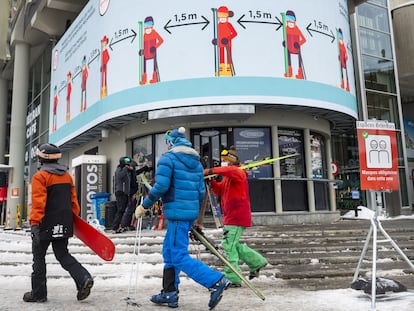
{"points": [[132, 199], [235, 203], [179, 181], [122, 189], [51, 220]]}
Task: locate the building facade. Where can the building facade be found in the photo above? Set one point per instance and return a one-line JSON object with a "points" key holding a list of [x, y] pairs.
{"points": [[285, 79]]}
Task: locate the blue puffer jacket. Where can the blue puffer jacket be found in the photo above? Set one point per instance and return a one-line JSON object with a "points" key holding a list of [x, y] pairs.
{"points": [[179, 181]]}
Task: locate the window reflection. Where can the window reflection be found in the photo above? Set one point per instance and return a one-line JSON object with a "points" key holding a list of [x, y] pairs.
{"points": [[383, 107], [375, 43], [373, 17], [379, 74]]}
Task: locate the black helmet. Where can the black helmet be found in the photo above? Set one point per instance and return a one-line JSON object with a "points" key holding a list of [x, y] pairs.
{"points": [[48, 152], [125, 160]]}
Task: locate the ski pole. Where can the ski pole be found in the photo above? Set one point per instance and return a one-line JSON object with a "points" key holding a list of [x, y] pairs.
{"points": [[136, 252]]}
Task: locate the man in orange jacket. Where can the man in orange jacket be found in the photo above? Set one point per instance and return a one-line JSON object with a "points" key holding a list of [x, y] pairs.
{"points": [[51, 221], [235, 203]]}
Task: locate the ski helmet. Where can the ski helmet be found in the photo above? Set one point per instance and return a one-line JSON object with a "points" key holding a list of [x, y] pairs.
{"points": [[230, 155], [124, 160], [290, 15], [48, 152]]}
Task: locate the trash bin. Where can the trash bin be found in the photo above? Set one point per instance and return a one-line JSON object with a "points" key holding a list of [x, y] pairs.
{"points": [[110, 210], [100, 199]]}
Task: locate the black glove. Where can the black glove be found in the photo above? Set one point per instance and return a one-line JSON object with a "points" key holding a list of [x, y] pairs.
{"points": [[224, 41], [35, 233], [198, 228], [296, 45]]}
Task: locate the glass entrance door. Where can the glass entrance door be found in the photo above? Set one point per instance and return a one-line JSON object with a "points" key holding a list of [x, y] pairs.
{"points": [[209, 143]]}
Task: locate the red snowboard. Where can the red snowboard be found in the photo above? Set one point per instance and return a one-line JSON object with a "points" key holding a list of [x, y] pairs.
{"points": [[96, 240]]}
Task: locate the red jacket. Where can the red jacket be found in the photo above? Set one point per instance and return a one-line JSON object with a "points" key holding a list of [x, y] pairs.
{"points": [[235, 198]]}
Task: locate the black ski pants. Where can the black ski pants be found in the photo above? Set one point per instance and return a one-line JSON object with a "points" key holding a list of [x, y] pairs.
{"points": [[66, 260]]}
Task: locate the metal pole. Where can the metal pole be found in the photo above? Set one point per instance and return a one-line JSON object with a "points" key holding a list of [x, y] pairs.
{"points": [[374, 264]]}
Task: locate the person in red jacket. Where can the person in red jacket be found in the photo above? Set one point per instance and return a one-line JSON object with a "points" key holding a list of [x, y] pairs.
{"points": [[104, 66], [235, 203], [225, 34], [294, 41], [51, 222], [152, 41]]}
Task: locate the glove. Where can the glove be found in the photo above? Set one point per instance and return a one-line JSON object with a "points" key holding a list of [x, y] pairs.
{"points": [[35, 233], [140, 211], [296, 45], [198, 228], [224, 41], [208, 171]]}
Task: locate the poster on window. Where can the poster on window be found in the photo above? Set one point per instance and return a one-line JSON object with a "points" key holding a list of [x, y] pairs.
{"points": [[409, 138], [316, 155], [291, 142], [252, 145]]}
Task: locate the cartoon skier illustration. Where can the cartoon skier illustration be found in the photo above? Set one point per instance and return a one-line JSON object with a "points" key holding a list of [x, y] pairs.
{"points": [[68, 92], [104, 66], [83, 84], [55, 104], [224, 33], [151, 42], [293, 39], [343, 58]]}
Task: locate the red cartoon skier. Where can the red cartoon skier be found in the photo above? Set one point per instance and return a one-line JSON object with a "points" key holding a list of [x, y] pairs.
{"points": [[152, 41], [55, 104], [83, 84], [104, 66], [224, 33], [69, 91], [343, 58], [294, 40]]}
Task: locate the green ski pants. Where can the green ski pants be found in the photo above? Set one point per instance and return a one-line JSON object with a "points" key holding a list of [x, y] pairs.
{"points": [[236, 252]]}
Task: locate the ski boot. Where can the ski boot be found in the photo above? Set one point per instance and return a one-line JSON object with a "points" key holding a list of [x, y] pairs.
{"points": [[85, 289], [300, 74], [217, 292], [289, 74], [154, 78], [255, 273], [170, 298], [143, 79], [28, 297]]}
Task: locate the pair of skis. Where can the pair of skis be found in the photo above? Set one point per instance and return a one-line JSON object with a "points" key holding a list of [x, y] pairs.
{"points": [[205, 241]]}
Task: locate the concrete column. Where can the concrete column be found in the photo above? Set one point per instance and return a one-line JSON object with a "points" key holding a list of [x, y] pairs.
{"points": [[16, 190], [3, 118], [276, 172], [308, 161], [331, 189]]}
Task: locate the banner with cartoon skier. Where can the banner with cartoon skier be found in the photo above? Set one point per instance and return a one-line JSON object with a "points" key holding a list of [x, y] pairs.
{"points": [[128, 56]]}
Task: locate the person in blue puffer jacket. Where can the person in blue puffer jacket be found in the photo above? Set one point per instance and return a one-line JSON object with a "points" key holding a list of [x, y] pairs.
{"points": [[179, 182]]}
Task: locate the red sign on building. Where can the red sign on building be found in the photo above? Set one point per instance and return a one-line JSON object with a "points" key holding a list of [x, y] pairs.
{"points": [[378, 161]]}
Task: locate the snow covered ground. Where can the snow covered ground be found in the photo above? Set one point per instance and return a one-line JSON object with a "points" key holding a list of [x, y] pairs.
{"points": [[109, 293]]}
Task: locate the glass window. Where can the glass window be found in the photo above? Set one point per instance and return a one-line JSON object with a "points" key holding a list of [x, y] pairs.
{"points": [[44, 113], [374, 17], [142, 151], [290, 142], [403, 187], [379, 2], [160, 146], [375, 43], [252, 145], [379, 74], [46, 66], [37, 78], [317, 146], [383, 107]]}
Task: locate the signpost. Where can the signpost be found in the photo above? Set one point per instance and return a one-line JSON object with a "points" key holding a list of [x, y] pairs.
{"points": [[377, 146]]}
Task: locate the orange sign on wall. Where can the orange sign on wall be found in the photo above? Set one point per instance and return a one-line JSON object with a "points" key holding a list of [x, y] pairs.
{"points": [[378, 161]]}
